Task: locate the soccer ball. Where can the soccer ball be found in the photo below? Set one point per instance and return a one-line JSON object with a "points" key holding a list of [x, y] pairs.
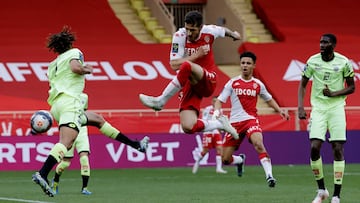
{"points": [[41, 121]]}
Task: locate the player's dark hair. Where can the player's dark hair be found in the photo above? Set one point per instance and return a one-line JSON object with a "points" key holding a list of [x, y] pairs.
{"points": [[194, 18], [248, 54], [62, 41], [332, 37]]}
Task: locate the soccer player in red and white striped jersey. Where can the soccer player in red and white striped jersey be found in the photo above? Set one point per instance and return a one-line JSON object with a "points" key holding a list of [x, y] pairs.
{"points": [[210, 140], [192, 57], [243, 91]]}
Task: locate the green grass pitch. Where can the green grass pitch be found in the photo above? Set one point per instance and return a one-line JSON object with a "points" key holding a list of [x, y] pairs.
{"points": [[295, 184]]}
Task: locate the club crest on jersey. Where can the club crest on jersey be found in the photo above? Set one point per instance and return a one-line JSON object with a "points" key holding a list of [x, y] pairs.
{"points": [[255, 85], [207, 39], [175, 48]]}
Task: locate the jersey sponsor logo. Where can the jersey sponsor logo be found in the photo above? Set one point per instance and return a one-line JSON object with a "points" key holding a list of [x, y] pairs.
{"points": [[326, 76], [245, 92], [317, 67], [192, 50]]}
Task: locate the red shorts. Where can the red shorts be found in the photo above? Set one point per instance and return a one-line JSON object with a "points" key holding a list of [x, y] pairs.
{"points": [[211, 140], [244, 128], [191, 95]]}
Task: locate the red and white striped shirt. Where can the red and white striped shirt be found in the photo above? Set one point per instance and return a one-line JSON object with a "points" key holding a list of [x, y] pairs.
{"points": [[181, 47], [243, 95]]}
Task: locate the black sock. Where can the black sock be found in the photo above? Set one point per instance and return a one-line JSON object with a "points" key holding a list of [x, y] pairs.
{"points": [[85, 180], [122, 138], [46, 168], [57, 177], [337, 189], [321, 183]]}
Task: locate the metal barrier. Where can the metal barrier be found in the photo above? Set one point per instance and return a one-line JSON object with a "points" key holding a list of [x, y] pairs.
{"points": [[162, 14], [179, 11]]}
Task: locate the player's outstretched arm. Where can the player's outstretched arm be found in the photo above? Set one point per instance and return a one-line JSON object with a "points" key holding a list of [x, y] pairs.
{"points": [[233, 34], [283, 113]]}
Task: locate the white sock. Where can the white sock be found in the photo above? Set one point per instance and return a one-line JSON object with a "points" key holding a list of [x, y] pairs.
{"points": [[218, 162], [266, 164], [170, 90], [237, 159], [201, 156], [210, 125]]}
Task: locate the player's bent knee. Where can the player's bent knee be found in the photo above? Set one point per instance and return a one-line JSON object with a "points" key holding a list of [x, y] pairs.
{"points": [[188, 131]]}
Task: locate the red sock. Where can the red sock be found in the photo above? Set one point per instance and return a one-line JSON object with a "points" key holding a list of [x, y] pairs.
{"points": [[198, 127], [184, 73], [263, 155]]}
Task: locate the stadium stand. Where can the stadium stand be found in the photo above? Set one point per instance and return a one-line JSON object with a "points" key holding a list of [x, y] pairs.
{"points": [[314, 17], [255, 29], [121, 60], [146, 27], [299, 32], [127, 13]]}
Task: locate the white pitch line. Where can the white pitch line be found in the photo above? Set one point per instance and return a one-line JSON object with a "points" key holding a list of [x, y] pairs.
{"points": [[22, 200]]}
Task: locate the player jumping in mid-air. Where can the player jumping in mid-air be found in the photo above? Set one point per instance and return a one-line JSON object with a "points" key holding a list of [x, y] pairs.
{"points": [[192, 57]]}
